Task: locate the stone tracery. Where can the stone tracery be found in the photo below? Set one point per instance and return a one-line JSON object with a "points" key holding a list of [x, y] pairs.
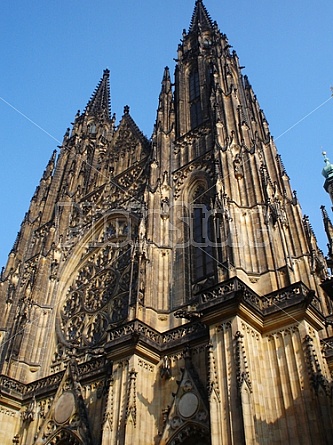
{"points": [[97, 298]]}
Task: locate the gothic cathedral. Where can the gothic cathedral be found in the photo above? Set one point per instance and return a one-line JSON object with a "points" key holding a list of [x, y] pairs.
{"points": [[168, 291]]}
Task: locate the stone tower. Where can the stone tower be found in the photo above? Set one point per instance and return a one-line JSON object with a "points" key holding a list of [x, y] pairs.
{"points": [[167, 291]]}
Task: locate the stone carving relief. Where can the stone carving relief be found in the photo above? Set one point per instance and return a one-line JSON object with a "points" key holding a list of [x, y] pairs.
{"points": [[188, 409], [316, 257], [7, 412], [165, 370], [28, 415], [127, 142], [204, 164], [250, 331], [212, 381], [243, 375], [116, 193], [131, 398], [179, 333], [29, 275], [147, 366], [132, 179], [318, 379]]}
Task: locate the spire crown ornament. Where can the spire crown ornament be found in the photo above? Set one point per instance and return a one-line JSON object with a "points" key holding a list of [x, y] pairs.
{"points": [[327, 171], [200, 19], [99, 102]]}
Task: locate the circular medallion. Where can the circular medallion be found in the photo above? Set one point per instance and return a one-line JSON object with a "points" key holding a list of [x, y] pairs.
{"points": [[64, 407], [188, 404]]}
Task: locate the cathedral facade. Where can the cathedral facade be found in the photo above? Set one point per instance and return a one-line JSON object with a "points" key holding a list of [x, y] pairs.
{"points": [[168, 291]]}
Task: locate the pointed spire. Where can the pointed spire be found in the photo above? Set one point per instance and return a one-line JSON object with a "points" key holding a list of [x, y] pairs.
{"points": [[128, 120], [165, 116], [200, 18], [329, 231], [100, 100], [166, 88], [166, 81]]}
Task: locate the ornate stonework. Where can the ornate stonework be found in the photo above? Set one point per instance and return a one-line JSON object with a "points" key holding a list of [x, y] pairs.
{"points": [[168, 291], [99, 296]]}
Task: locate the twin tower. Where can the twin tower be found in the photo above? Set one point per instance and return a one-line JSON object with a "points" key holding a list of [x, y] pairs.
{"points": [[167, 291]]}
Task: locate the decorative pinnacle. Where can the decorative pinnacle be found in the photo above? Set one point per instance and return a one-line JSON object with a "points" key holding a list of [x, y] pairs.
{"points": [[200, 18], [100, 100]]}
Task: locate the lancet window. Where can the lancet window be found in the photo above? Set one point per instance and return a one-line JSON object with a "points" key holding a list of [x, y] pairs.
{"points": [[195, 102], [202, 237]]}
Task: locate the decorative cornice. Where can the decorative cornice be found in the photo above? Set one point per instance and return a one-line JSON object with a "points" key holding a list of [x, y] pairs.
{"points": [[236, 289], [22, 391], [161, 341], [136, 336]]}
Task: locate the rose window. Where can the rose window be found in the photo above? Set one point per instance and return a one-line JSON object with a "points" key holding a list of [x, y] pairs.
{"points": [[98, 297]]}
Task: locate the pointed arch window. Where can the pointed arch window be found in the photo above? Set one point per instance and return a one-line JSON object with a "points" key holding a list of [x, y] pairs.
{"points": [[92, 129], [195, 102], [202, 246]]}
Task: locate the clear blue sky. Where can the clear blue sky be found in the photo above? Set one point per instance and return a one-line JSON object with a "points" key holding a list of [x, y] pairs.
{"points": [[53, 54]]}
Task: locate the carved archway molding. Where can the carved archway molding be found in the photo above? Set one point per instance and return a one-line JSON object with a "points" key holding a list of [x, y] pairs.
{"points": [[97, 235], [95, 283], [64, 437], [191, 430], [188, 416]]}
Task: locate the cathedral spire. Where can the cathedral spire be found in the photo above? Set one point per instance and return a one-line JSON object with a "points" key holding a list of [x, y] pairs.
{"points": [[200, 18], [100, 100], [166, 97], [165, 119], [146, 254]]}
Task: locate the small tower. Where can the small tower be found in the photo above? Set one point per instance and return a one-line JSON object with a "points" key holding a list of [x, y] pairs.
{"points": [[328, 175], [327, 284]]}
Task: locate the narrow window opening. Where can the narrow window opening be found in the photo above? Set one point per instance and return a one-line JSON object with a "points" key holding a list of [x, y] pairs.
{"points": [[202, 240], [92, 129], [195, 102]]}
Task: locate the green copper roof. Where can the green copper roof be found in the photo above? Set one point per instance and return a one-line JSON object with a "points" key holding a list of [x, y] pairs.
{"points": [[328, 169]]}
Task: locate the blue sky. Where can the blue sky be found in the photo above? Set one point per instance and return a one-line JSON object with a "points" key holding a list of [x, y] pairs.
{"points": [[53, 54]]}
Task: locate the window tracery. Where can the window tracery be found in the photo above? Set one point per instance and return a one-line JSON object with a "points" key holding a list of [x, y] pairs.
{"points": [[98, 296], [195, 102], [202, 239]]}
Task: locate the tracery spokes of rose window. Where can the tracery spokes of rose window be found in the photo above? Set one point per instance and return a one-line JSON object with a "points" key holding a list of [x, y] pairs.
{"points": [[99, 296]]}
